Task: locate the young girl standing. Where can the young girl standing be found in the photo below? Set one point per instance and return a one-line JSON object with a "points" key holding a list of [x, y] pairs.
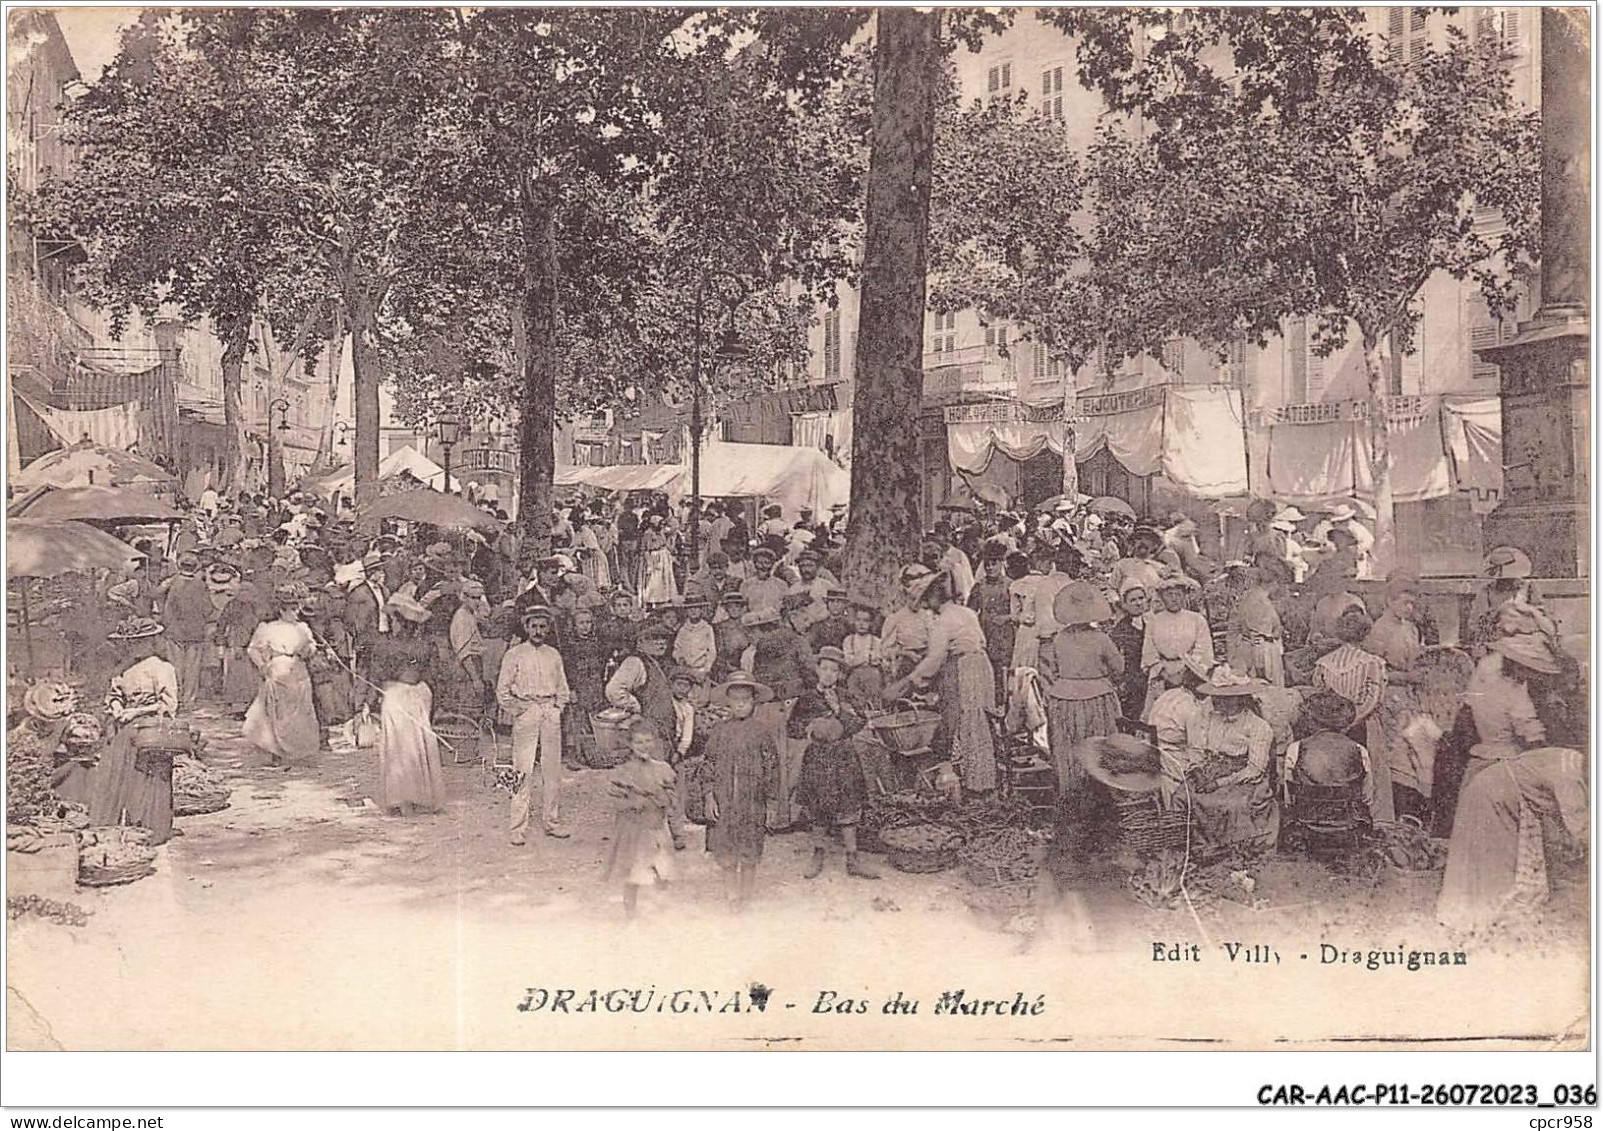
{"points": [[409, 777], [744, 758], [643, 791]]}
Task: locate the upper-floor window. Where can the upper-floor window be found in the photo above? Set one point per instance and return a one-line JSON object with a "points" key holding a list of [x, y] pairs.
{"points": [[999, 79], [996, 335], [1407, 33], [1174, 357], [945, 339], [1506, 26], [1052, 92]]}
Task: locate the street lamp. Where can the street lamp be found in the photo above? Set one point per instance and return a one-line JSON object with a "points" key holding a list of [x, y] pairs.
{"points": [[730, 351], [340, 429], [450, 435], [282, 405]]}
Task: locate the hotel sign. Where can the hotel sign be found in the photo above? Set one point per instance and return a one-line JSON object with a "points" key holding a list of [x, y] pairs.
{"points": [[488, 459]]}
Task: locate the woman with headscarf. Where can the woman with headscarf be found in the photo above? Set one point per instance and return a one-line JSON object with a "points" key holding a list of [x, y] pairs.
{"points": [[282, 721], [957, 658]]}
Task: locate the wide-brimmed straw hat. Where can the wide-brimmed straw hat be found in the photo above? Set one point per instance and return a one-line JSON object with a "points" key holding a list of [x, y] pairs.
{"points": [[1080, 602], [50, 699], [1121, 762], [760, 691], [1224, 683]]}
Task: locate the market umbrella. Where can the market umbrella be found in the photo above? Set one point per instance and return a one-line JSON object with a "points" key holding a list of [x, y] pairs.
{"points": [[87, 464], [96, 504], [1111, 504], [433, 507], [43, 548]]}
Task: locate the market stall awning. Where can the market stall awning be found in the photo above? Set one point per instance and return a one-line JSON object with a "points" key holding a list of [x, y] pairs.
{"points": [[408, 459], [1192, 436], [1439, 445], [794, 477], [623, 477]]}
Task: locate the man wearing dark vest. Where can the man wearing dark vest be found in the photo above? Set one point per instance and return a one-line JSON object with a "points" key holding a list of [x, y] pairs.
{"points": [[640, 685]]}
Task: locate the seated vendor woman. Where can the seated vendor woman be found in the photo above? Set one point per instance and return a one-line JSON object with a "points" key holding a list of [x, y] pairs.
{"points": [[1227, 767]]}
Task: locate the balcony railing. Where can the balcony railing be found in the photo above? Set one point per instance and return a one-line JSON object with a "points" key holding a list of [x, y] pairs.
{"points": [[971, 373]]}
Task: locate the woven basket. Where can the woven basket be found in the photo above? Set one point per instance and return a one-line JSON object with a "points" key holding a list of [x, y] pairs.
{"points": [[920, 848], [998, 858], [112, 855], [1145, 826], [163, 734], [199, 802], [907, 731]]}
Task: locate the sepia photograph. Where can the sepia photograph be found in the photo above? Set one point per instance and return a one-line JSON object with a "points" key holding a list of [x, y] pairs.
{"points": [[812, 528]]}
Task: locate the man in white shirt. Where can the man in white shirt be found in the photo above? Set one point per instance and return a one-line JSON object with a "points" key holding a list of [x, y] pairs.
{"points": [[955, 562], [208, 501], [533, 688]]}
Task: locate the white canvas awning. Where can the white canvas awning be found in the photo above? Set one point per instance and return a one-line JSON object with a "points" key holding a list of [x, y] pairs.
{"points": [[622, 477]]}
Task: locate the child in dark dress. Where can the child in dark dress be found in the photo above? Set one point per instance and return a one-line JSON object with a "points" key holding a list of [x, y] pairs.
{"points": [[744, 760]]}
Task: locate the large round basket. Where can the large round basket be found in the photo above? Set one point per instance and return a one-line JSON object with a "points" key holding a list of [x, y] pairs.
{"points": [[462, 736], [920, 848], [611, 746], [197, 788], [907, 732], [999, 858], [113, 855], [199, 802], [1144, 824]]}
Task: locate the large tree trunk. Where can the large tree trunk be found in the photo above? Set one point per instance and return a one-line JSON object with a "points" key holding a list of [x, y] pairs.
{"points": [[538, 404], [886, 523], [1380, 462], [236, 339], [365, 381]]}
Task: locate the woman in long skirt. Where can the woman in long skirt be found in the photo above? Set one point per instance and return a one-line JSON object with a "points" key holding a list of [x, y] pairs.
{"points": [[1082, 663], [592, 557], [957, 657], [283, 719], [409, 778], [657, 583], [130, 785]]}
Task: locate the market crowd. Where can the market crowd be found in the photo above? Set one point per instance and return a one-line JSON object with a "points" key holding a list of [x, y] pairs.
{"points": [[745, 688]]}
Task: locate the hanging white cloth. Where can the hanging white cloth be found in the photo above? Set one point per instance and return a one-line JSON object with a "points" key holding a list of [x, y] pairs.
{"points": [[116, 427]]}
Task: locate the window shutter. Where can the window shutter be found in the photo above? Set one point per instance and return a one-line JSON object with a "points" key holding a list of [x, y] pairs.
{"points": [[832, 345], [1485, 23], [1297, 361], [1396, 25], [1174, 358], [1416, 19], [1007, 75], [993, 80], [1411, 370], [1315, 369], [1513, 29]]}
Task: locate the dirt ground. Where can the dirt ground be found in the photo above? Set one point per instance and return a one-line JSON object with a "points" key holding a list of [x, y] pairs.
{"points": [[302, 918]]}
